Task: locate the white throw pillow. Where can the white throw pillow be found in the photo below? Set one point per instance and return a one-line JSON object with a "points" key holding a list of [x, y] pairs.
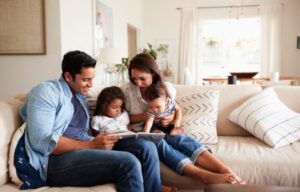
{"points": [[199, 115], [268, 119], [11, 166]]}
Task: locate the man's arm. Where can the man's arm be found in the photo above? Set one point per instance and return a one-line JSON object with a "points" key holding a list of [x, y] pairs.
{"points": [[101, 141]]}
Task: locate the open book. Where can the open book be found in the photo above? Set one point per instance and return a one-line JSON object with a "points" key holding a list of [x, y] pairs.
{"points": [[144, 135]]}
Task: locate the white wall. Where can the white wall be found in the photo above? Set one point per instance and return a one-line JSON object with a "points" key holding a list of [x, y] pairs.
{"points": [[291, 29], [77, 23], [20, 73], [68, 27], [162, 23]]}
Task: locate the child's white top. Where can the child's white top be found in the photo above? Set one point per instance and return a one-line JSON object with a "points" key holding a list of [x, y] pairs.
{"points": [[105, 124]]}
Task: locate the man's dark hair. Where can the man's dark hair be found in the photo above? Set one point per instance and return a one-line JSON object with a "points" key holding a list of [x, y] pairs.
{"points": [[155, 91], [74, 61], [106, 96]]}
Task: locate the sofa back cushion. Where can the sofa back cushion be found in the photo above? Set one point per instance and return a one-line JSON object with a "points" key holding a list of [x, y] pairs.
{"points": [[289, 95], [231, 96], [9, 122]]}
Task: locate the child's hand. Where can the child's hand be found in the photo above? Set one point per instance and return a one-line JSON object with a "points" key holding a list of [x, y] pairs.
{"points": [[156, 131], [130, 127]]}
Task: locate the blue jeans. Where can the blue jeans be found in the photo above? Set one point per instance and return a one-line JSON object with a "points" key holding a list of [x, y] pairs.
{"points": [[95, 167], [177, 151]]}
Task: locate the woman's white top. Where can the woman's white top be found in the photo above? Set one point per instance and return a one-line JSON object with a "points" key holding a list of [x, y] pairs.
{"points": [[105, 124], [136, 105]]}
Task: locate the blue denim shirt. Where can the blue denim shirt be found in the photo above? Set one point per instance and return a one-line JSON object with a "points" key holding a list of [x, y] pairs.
{"points": [[48, 111]]}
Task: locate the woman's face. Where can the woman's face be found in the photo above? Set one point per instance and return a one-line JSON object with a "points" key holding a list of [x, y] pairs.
{"points": [[142, 79]]}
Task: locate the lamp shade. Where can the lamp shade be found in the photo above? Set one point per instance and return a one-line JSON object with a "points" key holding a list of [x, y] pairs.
{"points": [[109, 56]]}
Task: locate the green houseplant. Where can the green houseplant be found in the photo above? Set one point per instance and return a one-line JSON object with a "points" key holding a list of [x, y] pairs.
{"points": [[150, 51]]}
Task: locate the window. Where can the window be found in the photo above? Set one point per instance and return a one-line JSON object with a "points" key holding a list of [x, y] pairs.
{"points": [[229, 45]]}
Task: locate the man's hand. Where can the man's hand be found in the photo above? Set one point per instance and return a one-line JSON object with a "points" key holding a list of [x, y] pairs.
{"points": [[103, 141], [166, 121]]}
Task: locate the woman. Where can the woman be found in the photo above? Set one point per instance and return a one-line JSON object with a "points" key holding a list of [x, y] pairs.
{"points": [[204, 167]]}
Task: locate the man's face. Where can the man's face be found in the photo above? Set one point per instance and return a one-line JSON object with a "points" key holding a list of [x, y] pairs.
{"points": [[82, 82]]}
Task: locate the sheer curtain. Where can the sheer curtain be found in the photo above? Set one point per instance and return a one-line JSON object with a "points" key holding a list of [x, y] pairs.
{"points": [[187, 69], [271, 33]]}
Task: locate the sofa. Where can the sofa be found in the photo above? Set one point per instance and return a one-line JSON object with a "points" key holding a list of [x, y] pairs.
{"points": [[249, 157]]}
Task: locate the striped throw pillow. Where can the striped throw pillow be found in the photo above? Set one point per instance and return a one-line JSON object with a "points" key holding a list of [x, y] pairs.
{"points": [[199, 115], [268, 119]]}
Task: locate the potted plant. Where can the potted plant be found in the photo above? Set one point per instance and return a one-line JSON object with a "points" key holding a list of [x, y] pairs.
{"points": [[150, 51]]}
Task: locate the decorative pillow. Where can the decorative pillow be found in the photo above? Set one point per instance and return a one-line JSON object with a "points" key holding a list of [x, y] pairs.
{"points": [[268, 119], [11, 166], [199, 115]]}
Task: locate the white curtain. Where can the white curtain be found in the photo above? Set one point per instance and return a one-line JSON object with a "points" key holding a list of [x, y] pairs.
{"points": [[271, 33], [188, 47]]}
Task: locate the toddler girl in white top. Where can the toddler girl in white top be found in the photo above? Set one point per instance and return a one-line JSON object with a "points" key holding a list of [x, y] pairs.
{"points": [[110, 115]]}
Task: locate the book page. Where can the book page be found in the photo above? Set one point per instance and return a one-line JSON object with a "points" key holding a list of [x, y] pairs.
{"points": [[144, 135]]}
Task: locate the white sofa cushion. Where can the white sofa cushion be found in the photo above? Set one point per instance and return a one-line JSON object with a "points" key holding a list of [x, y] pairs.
{"points": [[11, 166], [268, 119], [9, 121], [99, 188], [257, 163], [199, 115], [231, 96]]}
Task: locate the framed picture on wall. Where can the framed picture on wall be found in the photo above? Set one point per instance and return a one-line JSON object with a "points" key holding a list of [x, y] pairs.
{"points": [[103, 26], [22, 27]]}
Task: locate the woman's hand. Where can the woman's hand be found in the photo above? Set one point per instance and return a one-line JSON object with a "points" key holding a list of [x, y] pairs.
{"points": [[105, 142], [166, 121]]}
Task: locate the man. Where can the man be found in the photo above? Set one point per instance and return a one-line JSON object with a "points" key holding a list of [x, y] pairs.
{"points": [[58, 150]]}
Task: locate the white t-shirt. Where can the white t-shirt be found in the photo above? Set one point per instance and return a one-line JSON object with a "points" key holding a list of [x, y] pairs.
{"points": [[105, 124], [136, 105]]}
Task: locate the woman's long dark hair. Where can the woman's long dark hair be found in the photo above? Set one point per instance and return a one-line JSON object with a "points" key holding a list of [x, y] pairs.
{"points": [[106, 96], [146, 63]]}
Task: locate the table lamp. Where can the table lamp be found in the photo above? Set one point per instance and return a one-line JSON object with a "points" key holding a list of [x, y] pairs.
{"points": [[110, 57]]}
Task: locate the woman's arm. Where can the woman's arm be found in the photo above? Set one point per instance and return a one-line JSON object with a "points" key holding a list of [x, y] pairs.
{"points": [[177, 116], [137, 118], [167, 120]]}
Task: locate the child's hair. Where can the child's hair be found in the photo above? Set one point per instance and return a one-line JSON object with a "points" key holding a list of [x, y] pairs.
{"points": [[155, 91], [106, 96]]}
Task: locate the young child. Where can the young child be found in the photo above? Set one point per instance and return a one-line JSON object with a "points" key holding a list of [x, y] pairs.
{"points": [[110, 115], [161, 105]]}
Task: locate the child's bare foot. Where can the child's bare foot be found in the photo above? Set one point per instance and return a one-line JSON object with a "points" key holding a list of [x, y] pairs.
{"points": [[228, 170], [177, 131], [239, 180], [168, 189], [214, 178]]}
